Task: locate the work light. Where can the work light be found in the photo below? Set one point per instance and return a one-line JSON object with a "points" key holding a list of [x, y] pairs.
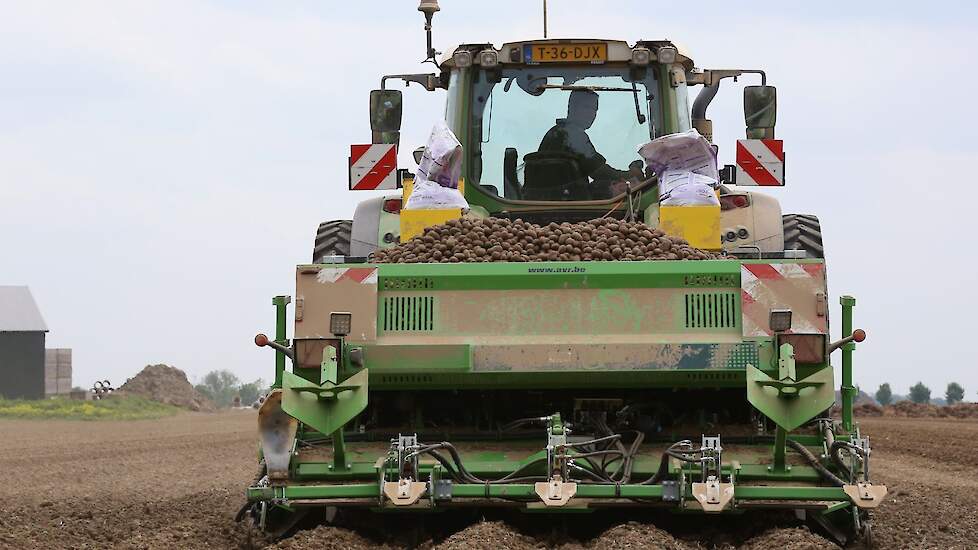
{"points": [[666, 54], [488, 58], [462, 58], [340, 323], [780, 320], [641, 56]]}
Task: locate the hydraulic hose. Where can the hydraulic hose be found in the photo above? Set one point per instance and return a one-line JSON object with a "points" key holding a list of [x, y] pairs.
{"points": [[663, 470], [813, 461], [460, 473], [660, 474], [611, 437], [837, 447]]}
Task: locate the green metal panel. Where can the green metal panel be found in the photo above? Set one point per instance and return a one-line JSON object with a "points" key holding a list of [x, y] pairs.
{"points": [[787, 402], [560, 275], [325, 407]]}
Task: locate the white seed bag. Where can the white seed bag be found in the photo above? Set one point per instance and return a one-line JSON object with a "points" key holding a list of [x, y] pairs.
{"points": [[436, 185], [687, 168]]}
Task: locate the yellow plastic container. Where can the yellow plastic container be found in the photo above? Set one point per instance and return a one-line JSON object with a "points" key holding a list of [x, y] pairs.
{"points": [[413, 222], [699, 225]]}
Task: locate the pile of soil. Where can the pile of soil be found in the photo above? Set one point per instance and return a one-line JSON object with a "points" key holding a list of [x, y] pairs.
{"points": [[794, 538], [505, 240], [168, 385], [489, 535], [638, 535], [867, 409], [909, 409]]}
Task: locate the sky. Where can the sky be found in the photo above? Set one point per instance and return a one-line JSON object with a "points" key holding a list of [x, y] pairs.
{"points": [[164, 164]]}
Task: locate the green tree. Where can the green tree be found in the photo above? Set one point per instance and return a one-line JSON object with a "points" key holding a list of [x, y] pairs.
{"points": [[920, 393], [954, 393], [220, 386], [249, 392], [884, 396]]}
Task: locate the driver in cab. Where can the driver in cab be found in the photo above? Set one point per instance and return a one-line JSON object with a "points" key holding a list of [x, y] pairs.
{"points": [[569, 136]]}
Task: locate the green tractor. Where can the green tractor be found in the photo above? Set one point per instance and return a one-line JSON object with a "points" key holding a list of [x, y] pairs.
{"points": [[567, 387]]}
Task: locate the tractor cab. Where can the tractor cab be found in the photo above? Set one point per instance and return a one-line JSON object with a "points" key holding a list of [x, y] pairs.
{"points": [[550, 131], [558, 121]]}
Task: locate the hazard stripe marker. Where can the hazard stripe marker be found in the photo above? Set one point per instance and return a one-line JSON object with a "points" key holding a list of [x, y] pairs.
{"points": [[373, 166], [777, 286], [760, 162], [360, 275]]}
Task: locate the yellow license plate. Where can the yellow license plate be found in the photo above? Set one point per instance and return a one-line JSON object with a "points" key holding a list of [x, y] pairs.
{"points": [[595, 52]]}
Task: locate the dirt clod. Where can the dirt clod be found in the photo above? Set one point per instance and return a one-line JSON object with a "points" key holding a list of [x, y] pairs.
{"points": [[168, 385], [505, 240]]}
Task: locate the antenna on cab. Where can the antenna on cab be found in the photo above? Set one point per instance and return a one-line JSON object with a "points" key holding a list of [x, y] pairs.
{"points": [[544, 18], [429, 8]]}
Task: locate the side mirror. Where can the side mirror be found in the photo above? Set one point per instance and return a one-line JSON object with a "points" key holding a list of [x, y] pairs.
{"points": [[418, 154], [760, 111], [385, 116]]}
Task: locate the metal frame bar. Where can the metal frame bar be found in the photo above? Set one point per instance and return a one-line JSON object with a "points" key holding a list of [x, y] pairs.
{"points": [[527, 491]]}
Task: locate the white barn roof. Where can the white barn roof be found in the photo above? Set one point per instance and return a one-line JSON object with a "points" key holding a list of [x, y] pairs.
{"points": [[18, 311]]}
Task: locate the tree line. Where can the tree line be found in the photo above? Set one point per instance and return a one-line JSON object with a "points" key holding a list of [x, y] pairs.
{"points": [[222, 386], [919, 393]]}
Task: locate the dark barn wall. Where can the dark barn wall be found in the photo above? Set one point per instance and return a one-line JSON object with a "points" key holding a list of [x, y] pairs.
{"points": [[22, 365]]}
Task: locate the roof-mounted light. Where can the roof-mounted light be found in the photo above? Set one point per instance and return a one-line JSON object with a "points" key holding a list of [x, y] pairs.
{"points": [[462, 58], [666, 55], [641, 56], [488, 58]]}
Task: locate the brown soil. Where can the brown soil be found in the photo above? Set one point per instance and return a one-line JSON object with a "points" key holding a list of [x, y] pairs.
{"points": [[921, 410], [326, 538], [637, 535], [169, 483], [798, 538], [177, 482], [930, 470], [908, 409], [166, 384], [485, 535]]}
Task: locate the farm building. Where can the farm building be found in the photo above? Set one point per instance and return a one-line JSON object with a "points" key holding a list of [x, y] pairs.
{"points": [[22, 354]]}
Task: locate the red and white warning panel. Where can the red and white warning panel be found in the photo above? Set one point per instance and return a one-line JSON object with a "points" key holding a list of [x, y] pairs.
{"points": [[360, 275], [373, 167], [795, 286], [760, 162]]}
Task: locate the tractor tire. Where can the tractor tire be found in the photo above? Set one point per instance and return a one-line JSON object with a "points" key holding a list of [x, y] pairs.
{"points": [[332, 239], [803, 232]]}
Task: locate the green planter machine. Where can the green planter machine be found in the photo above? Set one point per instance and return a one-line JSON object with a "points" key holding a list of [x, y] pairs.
{"points": [[567, 386]]}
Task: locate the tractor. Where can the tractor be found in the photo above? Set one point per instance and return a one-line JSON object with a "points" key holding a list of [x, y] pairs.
{"points": [[566, 387]]}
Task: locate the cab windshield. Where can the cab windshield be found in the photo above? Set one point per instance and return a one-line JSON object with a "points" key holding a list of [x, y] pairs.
{"points": [[558, 133]]}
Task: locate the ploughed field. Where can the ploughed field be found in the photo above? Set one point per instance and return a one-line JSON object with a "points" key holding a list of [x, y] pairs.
{"points": [[177, 482]]}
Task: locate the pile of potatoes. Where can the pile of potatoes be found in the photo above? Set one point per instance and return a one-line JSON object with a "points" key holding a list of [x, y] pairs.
{"points": [[505, 240]]}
